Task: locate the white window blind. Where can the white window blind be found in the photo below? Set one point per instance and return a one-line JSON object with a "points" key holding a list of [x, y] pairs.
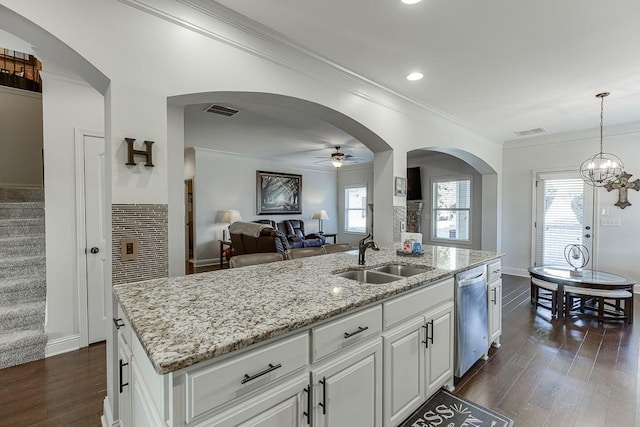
{"points": [[355, 203], [560, 218], [451, 208]]}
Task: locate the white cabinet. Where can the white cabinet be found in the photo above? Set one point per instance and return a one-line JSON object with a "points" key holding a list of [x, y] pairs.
{"points": [[418, 361], [439, 343], [140, 391], [494, 301], [347, 389], [284, 405], [495, 312], [404, 371], [123, 387]]}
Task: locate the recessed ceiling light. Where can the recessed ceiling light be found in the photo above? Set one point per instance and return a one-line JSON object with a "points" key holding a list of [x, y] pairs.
{"points": [[415, 76], [411, 1]]}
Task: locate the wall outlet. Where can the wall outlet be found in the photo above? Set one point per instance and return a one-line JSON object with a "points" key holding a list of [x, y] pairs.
{"points": [[403, 226], [610, 222], [129, 249]]}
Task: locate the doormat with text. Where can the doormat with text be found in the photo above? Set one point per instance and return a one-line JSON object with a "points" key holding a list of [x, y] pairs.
{"points": [[446, 410]]}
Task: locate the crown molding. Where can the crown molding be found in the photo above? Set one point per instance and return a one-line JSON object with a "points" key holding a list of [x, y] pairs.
{"points": [[572, 137], [291, 164], [165, 9]]}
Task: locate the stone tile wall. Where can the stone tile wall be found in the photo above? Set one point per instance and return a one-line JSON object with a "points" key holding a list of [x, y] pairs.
{"points": [[399, 215], [147, 223]]}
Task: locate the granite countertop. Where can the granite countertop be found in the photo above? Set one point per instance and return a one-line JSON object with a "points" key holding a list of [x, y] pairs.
{"points": [[181, 321]]}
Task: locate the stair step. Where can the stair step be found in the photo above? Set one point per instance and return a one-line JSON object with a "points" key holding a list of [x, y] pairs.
{"points": [[21, 194], [21, 210], [22, 246], [20, 267], [24, 316], [19, 347], [22, 290], [21, 227]]}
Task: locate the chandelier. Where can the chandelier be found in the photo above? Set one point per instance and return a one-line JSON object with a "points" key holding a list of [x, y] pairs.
{"points": [[602, 168]]}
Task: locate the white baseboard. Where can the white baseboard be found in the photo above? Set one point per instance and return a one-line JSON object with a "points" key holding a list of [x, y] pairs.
{"points": [[107, 417], [515, 271], [205, 262], [62, 345]]}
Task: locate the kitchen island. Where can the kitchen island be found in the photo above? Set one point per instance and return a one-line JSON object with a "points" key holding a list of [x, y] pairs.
{"points": [[189, 333]]}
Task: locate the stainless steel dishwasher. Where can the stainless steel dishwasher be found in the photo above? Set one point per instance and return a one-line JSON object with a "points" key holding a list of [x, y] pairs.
{"points": [[472, 340]]}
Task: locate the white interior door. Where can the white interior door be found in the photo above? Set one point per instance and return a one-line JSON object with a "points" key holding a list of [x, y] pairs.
{"points": [[563, 216], [94, 164]]}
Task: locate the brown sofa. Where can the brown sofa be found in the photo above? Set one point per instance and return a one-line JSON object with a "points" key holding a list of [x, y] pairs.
{"points": [[268, 240]]}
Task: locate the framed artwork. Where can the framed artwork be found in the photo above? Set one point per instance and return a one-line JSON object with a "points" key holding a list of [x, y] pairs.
{"points": [[278, 193], [401, 186]]}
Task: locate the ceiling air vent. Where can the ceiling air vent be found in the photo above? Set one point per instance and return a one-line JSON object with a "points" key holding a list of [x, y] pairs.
{"points": [[530, 132], [219, 109]]}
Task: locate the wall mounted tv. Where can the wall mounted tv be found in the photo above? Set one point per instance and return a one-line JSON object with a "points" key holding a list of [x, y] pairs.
{"points": [[414, 184]]}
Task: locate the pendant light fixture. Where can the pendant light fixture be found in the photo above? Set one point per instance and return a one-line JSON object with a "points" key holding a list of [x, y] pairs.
{"points": [[602, 168]]}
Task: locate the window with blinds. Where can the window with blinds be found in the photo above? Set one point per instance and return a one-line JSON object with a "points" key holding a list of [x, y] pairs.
{"points": [[562, 213], [451, 205]]}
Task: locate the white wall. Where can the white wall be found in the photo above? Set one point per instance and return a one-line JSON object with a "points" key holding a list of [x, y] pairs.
{"points": [[68, 104], [21, 137], [439, 165], [616, 247], [226, 181], [348, 176]]}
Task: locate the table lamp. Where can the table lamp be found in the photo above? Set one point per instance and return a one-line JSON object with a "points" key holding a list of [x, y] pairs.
{"points": [[229, 217], [320, 216]]}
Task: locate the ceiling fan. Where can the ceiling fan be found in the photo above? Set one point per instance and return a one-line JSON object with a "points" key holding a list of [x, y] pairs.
{"points": [[338, 158]]}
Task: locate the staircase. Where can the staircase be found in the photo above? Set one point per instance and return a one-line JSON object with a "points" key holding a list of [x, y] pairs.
{"points": [[22, 275]]}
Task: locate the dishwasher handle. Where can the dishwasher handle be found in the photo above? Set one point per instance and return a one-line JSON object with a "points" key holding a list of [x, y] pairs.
{"points": [[468, 281]]}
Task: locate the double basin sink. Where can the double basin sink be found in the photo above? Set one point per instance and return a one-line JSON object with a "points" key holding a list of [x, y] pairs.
{"points": [[384, 274]]}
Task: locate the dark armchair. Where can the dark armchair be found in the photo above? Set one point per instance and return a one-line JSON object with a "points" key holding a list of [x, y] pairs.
{"points": [[294, 230]]}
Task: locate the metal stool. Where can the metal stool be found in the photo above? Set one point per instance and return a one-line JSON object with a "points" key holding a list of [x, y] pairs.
{"points": [[547, 292], [607, 303]]}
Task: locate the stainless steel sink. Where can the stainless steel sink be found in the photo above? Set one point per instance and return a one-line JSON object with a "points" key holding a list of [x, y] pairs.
{"points": [[368, 276], [402, 270]]}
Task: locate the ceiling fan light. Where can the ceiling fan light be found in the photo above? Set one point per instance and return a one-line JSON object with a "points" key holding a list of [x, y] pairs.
{"points": [[336, 161]]}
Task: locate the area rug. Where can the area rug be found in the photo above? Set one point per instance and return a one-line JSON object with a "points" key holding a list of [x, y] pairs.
{"points": [[444, 409]]}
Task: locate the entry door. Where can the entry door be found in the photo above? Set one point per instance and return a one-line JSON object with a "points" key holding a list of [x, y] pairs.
{"points": [[564, 215], [94, 164]]}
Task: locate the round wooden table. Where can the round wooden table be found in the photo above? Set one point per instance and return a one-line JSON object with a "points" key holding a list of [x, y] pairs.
{"points": [[593, 279]]}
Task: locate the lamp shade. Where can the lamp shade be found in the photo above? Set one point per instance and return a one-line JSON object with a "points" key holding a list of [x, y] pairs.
{"points": [[321, 214], [231, 216]]}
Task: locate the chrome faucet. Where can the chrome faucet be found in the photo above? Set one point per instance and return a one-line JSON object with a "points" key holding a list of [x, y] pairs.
{"points": [[362, 248]]}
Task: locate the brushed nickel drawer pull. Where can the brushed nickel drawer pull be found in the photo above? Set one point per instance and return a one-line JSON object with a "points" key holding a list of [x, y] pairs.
{"points": [[360, 329], [271, 367]]}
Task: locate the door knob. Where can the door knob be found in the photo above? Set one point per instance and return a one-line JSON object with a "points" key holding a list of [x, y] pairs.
{"points": [[94, 250], [588, 227], [587, 235]]}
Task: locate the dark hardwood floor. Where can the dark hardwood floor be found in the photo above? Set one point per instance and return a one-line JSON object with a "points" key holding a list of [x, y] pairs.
{"points": [[547, 373], [63, 390], [558, 372]]}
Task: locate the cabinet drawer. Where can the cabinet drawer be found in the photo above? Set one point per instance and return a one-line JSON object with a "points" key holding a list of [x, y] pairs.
{"points": [[210, 387], [414, 303], [341, 333], [494, 271]]}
